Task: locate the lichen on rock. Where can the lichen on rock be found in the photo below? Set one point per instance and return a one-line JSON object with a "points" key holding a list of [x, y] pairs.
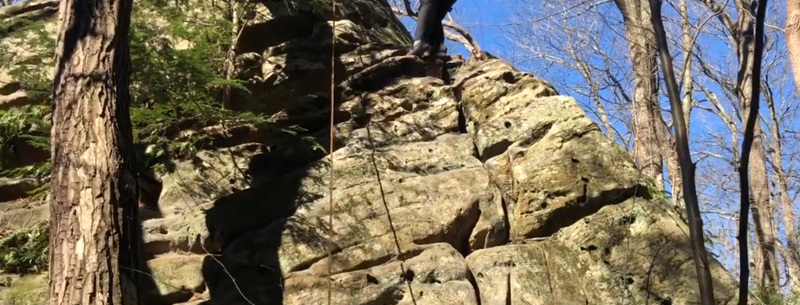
{"points": [[499, 189]]}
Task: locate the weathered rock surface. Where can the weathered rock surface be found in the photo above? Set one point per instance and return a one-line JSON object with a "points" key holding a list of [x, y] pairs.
{"points": [[499, 190]]}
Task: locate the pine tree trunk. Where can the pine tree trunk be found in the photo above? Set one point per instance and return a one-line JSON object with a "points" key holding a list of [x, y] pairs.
{"points": [[647, 123], [93, 246]]}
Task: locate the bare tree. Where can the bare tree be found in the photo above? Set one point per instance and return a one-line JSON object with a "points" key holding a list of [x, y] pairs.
{"points": [[740, 34], [791, 252], [749, 134], [93, 242], [697, 239], [574, 40], [647, 120]]}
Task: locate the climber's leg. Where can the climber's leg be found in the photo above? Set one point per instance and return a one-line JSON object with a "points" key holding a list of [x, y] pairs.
{"points": [[437, 42], [425, 27]]}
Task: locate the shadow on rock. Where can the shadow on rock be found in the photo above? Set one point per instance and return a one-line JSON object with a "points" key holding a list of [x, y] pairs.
{"points": [[249, 225]]}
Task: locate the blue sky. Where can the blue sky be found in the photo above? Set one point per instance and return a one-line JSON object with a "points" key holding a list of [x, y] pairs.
{"points": [[487, 21]]}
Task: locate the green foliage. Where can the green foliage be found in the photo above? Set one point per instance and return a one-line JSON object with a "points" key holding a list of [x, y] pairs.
{"points": [[178, 51], [175, 89], [768, 296], [39, 49], [30, 124], [24, 251]]}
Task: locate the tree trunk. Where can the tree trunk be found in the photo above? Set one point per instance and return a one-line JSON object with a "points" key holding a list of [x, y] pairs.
{"points": [[647, 122], [766, 271], [764, 256], [93, 242], [792, 33], [791, 253], [230, 55], [670, 153]]}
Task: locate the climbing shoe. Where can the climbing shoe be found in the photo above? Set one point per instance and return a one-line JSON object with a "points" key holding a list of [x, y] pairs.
{"points": [[420, 48], [441, 51]]}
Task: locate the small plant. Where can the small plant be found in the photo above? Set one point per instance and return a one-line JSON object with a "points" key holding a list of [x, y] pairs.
{"points": [[30, 124], [26, 250], [769, 296]]}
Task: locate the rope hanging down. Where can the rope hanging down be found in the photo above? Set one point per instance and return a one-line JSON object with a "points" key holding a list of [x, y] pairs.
{"points": [[374, 164], [330, 149]]}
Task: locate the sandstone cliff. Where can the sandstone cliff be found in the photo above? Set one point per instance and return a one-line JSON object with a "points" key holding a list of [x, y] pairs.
{"points": [[500, 190]]}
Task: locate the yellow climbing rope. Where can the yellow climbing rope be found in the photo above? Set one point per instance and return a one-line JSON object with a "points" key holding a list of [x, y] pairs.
{"points": [[330, 149], [374, 164]]}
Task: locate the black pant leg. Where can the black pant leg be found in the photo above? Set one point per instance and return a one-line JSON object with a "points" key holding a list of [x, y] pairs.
{"points": [[427, 21], [441, 13]]}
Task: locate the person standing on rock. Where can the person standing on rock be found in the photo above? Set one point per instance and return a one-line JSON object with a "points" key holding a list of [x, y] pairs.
{"points": [[430, 31]]}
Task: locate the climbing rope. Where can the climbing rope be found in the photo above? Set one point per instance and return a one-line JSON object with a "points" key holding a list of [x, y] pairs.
{"points": [[374, 164], [389, 216], [330, 149]]}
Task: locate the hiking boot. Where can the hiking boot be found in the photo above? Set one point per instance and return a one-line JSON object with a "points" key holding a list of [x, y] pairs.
{"points": [[419, 48], [441, 51]]}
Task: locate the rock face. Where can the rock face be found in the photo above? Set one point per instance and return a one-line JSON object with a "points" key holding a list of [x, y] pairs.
{"points": [[499, 191]]}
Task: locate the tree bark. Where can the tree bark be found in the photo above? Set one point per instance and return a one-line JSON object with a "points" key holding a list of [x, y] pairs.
{"points": [[93, 242], [647, 120], [792, 33], [764, 256], [792, 253]]}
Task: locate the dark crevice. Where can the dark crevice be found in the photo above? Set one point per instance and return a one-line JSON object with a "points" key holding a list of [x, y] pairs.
{"points": [[506, 220], [465, 248], [366, 264], [508, 289], [372, 280], [409, 275], [583, 206], [510, 78], [389, 296], [536, 134], [589, 248], [661, 300], [474, 283], [495, 150], [456, 237], [462, 119]]}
